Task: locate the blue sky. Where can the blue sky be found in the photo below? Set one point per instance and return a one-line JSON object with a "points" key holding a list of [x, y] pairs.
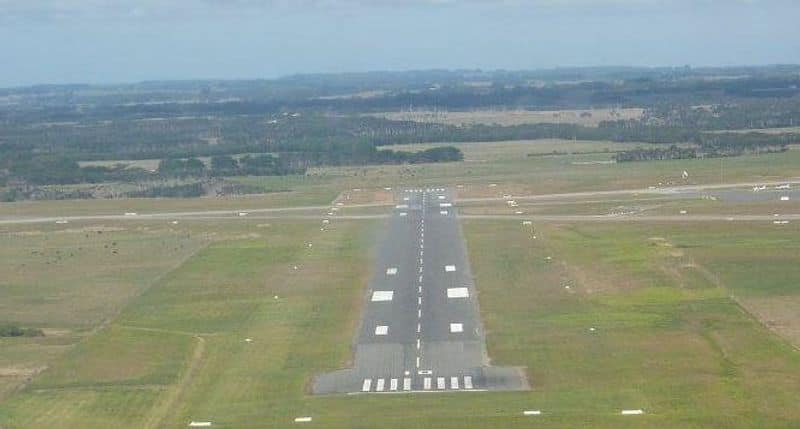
{"points": [[100, 41]]}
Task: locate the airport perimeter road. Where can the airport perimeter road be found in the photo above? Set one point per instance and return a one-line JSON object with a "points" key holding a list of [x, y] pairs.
{"points": [[421, 330]]}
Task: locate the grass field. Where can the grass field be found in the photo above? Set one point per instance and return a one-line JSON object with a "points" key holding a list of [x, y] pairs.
{"points": [[667, 339], [147, 321]]}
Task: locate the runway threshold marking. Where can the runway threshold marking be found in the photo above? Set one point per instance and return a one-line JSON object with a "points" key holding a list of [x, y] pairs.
{"points": [[468, 382], [367, 385]]}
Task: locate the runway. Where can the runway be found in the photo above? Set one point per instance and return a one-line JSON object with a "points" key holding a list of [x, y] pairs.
{"points": [[421, 330]]}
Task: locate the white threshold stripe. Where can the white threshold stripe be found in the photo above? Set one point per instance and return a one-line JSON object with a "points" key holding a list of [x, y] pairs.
{"points": [[440, 383], [419, 391], [393, 384], [454, 383], [379, 385], [426, 383], [367, 385], [468, 382], [406, 384]]}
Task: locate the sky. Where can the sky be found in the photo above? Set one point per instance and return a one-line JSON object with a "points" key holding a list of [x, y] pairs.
{"points": [[112, 41]]}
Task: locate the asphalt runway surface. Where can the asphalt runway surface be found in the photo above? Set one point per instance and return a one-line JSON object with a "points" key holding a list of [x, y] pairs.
{"points": [[421, 330]]}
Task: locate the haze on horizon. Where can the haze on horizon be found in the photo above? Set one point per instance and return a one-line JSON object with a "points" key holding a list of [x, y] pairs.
{"points": [[102, 41]]}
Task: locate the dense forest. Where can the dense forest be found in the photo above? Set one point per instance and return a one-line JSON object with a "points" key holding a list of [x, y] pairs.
{"points": [[285, 126]]}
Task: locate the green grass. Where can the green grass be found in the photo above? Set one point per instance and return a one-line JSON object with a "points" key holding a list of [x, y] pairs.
{"points": [[682, 351], [668, 336]]}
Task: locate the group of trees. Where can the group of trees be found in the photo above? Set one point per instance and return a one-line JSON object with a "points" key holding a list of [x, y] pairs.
{"points": [[7, 330], [672, 152], [225, 165]]}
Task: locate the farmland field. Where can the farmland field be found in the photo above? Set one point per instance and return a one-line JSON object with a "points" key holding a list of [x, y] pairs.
{"points": [[588, 117]]}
